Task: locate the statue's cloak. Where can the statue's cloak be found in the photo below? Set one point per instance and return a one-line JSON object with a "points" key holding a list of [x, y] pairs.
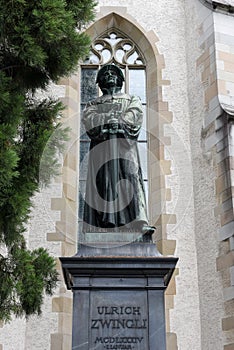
{"points": [[114, 159]]}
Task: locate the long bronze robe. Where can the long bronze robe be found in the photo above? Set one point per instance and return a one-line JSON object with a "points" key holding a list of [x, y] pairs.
{"points": [[114, 158]]}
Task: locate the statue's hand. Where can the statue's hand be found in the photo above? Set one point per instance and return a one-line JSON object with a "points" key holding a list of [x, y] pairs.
{"points": [[113, 124]]}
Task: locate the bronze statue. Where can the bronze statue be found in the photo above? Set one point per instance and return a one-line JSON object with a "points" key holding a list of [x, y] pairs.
{"points": [[115, 196]]}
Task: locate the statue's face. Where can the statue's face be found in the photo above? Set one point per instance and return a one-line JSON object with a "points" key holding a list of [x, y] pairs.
{"points": [[109, 78]]}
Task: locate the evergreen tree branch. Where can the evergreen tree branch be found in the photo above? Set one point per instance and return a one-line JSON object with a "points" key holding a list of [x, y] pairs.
{"points": [[40, 41]]}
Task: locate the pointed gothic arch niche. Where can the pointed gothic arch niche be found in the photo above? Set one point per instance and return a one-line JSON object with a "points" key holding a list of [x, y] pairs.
{"points": [[122, 25]]}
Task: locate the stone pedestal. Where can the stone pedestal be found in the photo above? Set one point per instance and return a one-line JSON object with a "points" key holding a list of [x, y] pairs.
{"points": [[118, 296]]}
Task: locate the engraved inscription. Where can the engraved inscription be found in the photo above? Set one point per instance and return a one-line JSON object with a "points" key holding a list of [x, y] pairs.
{"points": [[118, 320], [118, 342], [118, 310], [116, 324]]}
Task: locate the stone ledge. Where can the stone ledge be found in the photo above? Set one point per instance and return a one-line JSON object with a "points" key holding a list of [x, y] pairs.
{"points": [[136, 264], [226, 231], [225, 261], [228, 323], [62, 304], [56, 237], [229, 347], [232, 274], [171, 289], [167, 247], [65, 323], [169, 301], [60, 341], [171, 340], [228, 293], [117, 249]]}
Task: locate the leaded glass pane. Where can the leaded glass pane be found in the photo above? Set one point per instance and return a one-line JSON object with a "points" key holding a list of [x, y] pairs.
{"points": [[83, 134], [84, 148], [82, 185], [137, 83], [88, 84], [143, 132], [142, 147]]}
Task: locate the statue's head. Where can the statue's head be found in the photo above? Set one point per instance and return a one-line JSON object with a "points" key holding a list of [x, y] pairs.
{"points": [[110, 75]]}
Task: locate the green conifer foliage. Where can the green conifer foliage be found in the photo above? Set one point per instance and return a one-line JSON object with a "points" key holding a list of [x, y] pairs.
{"points": [[40, 41]]}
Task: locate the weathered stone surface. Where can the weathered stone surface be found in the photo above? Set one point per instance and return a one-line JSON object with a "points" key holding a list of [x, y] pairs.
{"points": [[104, 311]]}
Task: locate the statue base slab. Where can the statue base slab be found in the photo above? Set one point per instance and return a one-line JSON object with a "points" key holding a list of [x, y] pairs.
{"points": [[115, 249], [118, 296], [111, 236], [105, 236]]}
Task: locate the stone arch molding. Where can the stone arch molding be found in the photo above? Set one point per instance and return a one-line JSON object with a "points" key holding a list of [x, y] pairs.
{"points": [[117, 17], [158, 114], [157, 117]]}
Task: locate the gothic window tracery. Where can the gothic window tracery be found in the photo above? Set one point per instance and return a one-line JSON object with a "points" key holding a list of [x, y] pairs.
{"points": [[113, 47]]}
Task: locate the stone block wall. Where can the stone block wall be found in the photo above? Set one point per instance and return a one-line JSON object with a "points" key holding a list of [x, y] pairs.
{"points": [[224, 211], [216, 44], [224, 35]]}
